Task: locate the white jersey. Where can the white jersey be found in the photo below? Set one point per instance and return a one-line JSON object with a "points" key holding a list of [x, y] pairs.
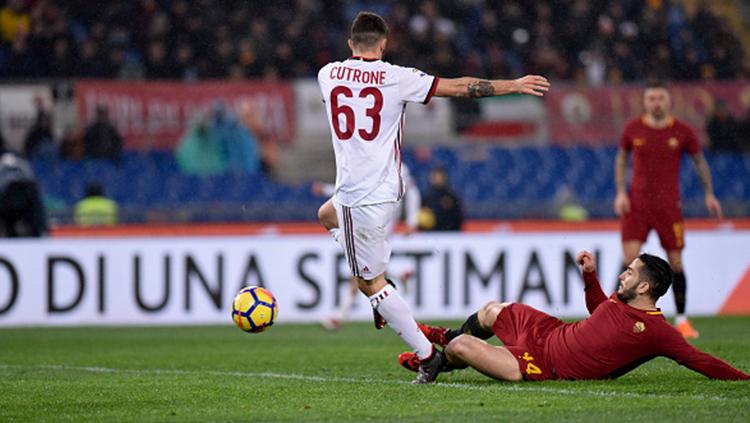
{"points": [[365, 102]]}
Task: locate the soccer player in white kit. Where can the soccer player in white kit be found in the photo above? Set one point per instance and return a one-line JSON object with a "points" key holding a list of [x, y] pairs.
{"points": [[365, 101], [410, 206]]}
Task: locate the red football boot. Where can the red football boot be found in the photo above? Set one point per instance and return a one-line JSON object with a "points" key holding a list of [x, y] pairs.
{"points": [[409, 360], [435, 334]]}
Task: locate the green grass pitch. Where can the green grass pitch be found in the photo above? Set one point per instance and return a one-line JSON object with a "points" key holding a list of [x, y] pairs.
{"points": [[301, 373]]}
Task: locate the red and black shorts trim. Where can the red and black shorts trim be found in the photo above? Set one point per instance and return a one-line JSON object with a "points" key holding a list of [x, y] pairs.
{"points": [[351, 255]]}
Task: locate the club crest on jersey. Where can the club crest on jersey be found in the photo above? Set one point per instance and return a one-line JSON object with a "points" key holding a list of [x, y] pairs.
{"points": [[673, 143], [639, 327], [639, 142]]}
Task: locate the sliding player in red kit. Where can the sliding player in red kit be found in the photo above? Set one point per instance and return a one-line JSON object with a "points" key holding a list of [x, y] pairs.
{"points": [[623, 332]]}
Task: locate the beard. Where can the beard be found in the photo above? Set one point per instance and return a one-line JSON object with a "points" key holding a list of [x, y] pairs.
{"points": [[627, 295]]}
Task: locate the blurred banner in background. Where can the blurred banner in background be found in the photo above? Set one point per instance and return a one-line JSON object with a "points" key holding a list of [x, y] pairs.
{"points": [[597, 115], [155, 114]]}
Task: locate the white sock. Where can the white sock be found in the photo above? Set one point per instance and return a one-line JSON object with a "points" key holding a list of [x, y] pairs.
{"points": [[396, 312], [346, 304], [679, 319]]}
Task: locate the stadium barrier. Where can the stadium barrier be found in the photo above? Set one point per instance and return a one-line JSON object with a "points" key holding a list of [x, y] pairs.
{"points": [[192, 279]]}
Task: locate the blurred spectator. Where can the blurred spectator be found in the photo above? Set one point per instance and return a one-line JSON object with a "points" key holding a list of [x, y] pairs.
{"points": [[14, 21], [743, 132], [102, 139], [95, 209], [21, 210], [269, 148], [239, 144], [613, 39], [441, 208], [569, 210], [199, 151], [40, 143], [217, 143], [722, 128]]}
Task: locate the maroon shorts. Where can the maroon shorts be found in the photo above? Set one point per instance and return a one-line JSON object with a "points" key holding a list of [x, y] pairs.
{"points": [[524, 331], [667, 223]]}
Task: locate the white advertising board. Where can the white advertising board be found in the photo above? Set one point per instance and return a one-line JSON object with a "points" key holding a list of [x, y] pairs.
{"points": [[192, 280]]}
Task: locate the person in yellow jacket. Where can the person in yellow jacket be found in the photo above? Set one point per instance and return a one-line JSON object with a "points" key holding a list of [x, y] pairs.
{"points": [[95, 209]]}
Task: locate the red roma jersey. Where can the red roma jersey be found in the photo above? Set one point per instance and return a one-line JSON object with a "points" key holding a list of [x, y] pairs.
{"points": [[617, 338], [656, 156]]}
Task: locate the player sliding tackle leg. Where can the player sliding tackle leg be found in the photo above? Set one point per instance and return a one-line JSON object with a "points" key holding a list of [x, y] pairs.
{"points": [[365, 100], [624, 331]]}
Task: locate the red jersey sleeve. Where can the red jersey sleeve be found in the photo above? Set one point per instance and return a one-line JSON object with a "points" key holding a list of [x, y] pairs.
{"points": [[691, 143], [593, 290], [626, 140], [674, 346]]}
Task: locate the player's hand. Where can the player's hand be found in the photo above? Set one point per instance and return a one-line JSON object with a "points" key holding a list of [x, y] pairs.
{"points": [[586, 260], [622, 204], [532, 84], [713, 206]]}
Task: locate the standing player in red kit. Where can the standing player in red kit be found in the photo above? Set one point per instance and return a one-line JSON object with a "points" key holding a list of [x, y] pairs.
{"points": [[657, 142], [623, 332], [365, 99]]}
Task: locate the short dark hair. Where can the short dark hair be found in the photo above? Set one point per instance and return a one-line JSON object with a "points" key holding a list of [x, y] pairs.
{"points": [[367, 29], [656, 84], [657, 272]]}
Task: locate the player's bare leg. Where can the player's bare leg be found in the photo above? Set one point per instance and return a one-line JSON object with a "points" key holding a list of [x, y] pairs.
{"points": [[630, 250], [679, 289], [493, 361], [327, 215]]}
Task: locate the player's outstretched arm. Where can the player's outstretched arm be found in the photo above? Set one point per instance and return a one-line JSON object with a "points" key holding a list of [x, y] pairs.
{"points": [[704, 172], [674, 346], [592, 288], [477, 88], [622, 203]]}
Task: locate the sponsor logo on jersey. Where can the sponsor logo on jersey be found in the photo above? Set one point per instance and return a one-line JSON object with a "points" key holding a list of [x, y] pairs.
{"points": [[673, 142]]}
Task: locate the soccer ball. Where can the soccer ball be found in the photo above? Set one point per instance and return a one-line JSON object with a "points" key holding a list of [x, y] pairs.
{"points": [[254, 309]]}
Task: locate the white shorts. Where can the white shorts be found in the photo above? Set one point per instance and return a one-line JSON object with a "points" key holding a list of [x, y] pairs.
{"points": [[363, 234]]}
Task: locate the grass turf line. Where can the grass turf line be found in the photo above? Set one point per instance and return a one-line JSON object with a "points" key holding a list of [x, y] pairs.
{"points": [[301, 373]]}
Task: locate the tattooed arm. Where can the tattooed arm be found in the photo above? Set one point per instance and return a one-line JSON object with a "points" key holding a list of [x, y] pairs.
{"points": [[477, 88]]}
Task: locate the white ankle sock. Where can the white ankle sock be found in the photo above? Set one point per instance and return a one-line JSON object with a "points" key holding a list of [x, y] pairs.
{"points": [[679, 319], [396, 312]]}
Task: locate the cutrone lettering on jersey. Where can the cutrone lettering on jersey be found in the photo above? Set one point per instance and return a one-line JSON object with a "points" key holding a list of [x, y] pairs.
{"points": [[345, 73]]}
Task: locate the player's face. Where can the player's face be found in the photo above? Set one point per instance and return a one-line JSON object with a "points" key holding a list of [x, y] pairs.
{"points": [[629, 281], [657, 103]]}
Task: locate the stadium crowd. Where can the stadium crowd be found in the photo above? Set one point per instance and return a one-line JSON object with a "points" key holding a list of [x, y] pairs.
{"points": [[593, 41]]}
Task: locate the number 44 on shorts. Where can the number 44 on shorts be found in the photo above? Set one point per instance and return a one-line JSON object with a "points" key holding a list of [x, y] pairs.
{"points": [[531, 368]]}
